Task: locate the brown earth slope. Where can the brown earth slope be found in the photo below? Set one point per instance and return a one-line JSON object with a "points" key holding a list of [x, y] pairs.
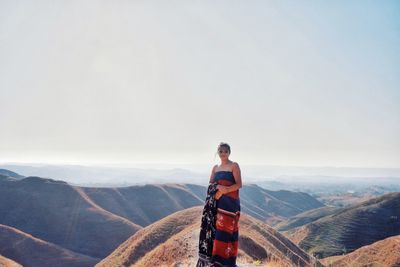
{"points": [[30, 251], [94, 221], [385, 252], [173, 241], [59, 213], [134, 203], [145, 204], [350, 228], [274, 206], [4, 262], [304, 218]]}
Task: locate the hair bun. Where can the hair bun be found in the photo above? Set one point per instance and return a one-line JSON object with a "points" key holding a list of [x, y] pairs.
{"points": [[223, 144]]}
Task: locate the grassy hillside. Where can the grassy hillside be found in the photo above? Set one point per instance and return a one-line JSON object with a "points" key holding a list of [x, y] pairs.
{"points": [[134, 203], [351, 228], [62, 214], [144, 204], [267, 205], [94, 221], [385, 252], [31, 251], [304, 218], [5, 262], [173, 241]]}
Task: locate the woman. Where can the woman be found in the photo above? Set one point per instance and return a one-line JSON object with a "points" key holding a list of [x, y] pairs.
{"points": [[220, 233]]}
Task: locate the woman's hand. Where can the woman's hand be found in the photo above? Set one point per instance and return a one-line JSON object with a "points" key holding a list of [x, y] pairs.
{"points": [[222, 188], [220, 191]]}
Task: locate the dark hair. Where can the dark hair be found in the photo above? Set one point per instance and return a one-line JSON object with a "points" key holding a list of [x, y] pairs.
{"points": [[226, 145]]}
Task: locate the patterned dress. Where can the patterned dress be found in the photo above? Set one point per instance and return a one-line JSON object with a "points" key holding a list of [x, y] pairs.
{"points": [[225, 245], [218, 243]]}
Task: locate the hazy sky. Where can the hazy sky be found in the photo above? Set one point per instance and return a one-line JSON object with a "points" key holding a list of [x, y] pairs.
{"points": [[313, 83]]}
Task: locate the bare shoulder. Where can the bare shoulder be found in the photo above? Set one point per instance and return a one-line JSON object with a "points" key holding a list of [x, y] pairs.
{"points": [[214, 167], [235, 165]]}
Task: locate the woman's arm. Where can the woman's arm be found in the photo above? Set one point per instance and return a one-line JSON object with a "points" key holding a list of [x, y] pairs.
{"points": [[238, 178], [212, 174]]}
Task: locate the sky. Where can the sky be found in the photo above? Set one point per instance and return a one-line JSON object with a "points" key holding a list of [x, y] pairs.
{"points": [[301, 83]]}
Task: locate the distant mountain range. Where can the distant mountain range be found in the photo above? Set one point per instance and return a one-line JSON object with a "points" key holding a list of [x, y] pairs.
{"points": [[267, 176], [8, 173], [103, 176]]}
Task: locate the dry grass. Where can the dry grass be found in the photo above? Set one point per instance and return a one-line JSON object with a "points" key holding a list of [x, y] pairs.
{"points": [[382, 253], [173, 241], [61, 214], [31, 251], [5, 262], [350, 228]]}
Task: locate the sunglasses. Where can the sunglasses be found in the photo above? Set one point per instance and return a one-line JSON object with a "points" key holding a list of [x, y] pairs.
{"points": [[223, 151]]}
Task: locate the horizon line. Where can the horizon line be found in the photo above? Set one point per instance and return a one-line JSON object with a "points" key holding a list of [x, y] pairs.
{"points": [[132, 164]]}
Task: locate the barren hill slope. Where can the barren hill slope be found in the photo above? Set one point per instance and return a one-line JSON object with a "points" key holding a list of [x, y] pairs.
{"points": [[31, 251], [5, 262], [305, 217], [385, 252], [59, 213], [270, 206], [145, 204], [94, 221], [350, 228], [174, 240]]}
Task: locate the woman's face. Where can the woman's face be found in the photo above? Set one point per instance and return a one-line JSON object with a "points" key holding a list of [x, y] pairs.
{"points": [[223, 152]]}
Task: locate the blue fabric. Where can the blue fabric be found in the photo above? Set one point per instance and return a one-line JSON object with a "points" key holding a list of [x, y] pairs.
{"points": [[225, 246], [225, 175]]}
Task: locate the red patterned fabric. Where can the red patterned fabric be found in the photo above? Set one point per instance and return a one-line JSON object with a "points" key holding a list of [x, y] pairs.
{"points": [[226, 242]]}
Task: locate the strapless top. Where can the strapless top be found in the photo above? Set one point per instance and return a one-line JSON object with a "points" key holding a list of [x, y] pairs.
{"points": [[226, 178]]}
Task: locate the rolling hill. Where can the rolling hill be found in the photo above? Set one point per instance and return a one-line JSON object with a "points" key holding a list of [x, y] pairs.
{"points": [[173, 241], [274, 206], [304, 218], [133, 203], [145, 204], [5, 262], [63, 215], [11, 174], [350, 228], [31, 251], [94, 221], [385, 252]]}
